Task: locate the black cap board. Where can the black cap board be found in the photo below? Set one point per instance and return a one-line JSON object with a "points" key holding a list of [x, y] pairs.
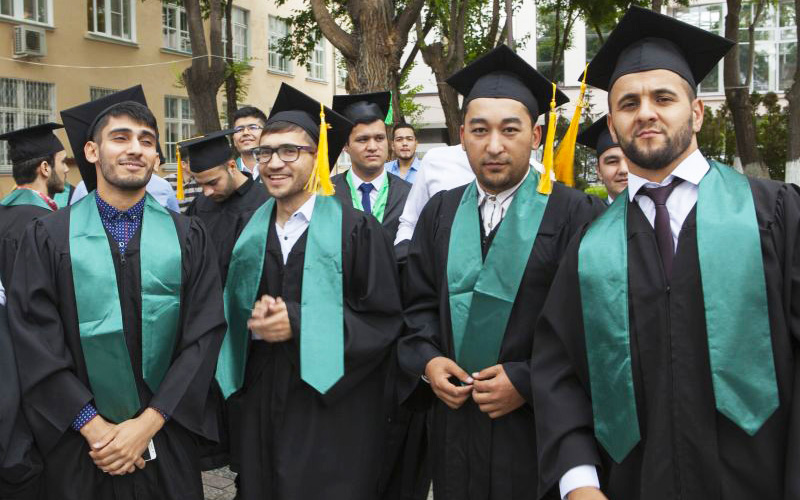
{"points": [[208, 151], [32, 142], [501, 73], [295, 107], [363, 107], [81, 120], [597, 136], [645, 40]]}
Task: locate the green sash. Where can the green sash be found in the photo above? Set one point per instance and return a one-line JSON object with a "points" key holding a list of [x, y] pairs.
{"points": [[736, 311], [380, 203], [482, 293], [24, 197], [99, 312], [321, 306], [62, 198]]}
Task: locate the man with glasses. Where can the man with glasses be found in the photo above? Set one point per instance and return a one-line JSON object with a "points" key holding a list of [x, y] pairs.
{"points": [[247, 125], [404, 144]]}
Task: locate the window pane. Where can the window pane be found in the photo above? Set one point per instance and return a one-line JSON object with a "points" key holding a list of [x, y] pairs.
{"points": [[8, 93], [760, 66], [101, 16], [787, 62], [7, 7], [126, 18], [545, 42], [711, 82]]}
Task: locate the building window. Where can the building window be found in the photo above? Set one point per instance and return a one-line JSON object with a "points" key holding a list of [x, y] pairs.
{"points": [[710, 18], [241, 35], [37, 11], [277, 30], [23, 104], [179, 124], [594, 41], [316, 66], [175, 28], [114, 18], [96, 93], [545, 42]]}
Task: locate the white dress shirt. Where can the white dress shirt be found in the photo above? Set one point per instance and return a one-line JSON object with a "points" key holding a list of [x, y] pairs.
{"points": [[294, 227], [2, 294], [377, 184], [680, 202], [494, 206]]}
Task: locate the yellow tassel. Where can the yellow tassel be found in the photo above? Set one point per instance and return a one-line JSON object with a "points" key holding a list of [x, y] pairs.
{"points": [[564, 163], [320, 180], [179, 179], [545, 184]]}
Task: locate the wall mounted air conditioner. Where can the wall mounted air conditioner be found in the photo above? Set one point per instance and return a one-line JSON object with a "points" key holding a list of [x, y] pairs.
{"points": [[29, 42]]}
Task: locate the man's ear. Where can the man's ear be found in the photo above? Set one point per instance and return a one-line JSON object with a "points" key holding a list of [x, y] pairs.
{"points": [[611, 130], [537, 136], [91, 151], [45, 169]]}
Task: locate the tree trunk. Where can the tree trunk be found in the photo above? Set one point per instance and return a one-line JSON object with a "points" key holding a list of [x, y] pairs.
{"points": [[435, 58], [738, 98], [656, 5], [793, 96], [206, 74], [231, 83]]}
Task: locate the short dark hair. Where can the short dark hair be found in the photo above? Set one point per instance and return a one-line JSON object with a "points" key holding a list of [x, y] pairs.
{"points": [[249, 111], [403, 125], [280, 127], [136, 111], [24, 171]]}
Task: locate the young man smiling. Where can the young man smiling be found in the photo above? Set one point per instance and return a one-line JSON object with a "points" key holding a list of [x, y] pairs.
{"points": [[247, 125]]}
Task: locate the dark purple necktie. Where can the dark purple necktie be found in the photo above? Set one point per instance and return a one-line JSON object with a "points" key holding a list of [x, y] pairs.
{"points": [[666, 245]]}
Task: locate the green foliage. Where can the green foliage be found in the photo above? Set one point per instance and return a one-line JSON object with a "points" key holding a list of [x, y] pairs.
{"points": [[239, 70], [410, 110], [599, 191], [304, 32]]}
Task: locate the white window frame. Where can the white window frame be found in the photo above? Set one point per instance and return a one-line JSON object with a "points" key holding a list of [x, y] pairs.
{"points": [[174, 37], [177, 128], [316, 68], [18, 12], [241, 24], [107, 20], [24, 113], [276, 62]]}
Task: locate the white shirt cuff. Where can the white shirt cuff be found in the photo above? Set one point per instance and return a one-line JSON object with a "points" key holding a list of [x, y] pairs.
{"points": [[578, 477]]}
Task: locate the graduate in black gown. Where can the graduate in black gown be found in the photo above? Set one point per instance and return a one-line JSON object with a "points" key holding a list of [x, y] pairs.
{"points": [[116, 313], [39, 170], [666, 353], [310, 421], [479, 268], [367, 185]]}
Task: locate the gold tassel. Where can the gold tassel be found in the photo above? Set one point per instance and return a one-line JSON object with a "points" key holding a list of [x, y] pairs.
{"points": [[320, 180], [179, 177], [564, 163], [545, 184]]}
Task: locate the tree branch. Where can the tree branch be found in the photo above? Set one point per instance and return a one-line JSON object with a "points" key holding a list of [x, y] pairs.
{"points": [[406, 19], [494, 24], [338, 37]]}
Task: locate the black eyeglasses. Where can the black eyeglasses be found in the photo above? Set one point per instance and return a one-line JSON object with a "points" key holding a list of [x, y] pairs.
{"points": [[253, 127], [286, 152]]}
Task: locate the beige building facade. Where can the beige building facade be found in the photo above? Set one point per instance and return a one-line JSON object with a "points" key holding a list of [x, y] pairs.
{"points": [[70, 51]]}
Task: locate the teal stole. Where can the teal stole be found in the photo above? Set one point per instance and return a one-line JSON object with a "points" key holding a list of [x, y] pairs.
{"points": [[736, 311], [380, 202], [24, 197], [62, 198], [482, 293], [321, 306], [99, 312]]}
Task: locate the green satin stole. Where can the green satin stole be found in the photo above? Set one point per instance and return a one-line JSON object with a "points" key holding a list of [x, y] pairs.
{"points": [[62, 198], [380, 202], [736, 311], [24, 197], [482, 292], [99, 312], [321, 307]]}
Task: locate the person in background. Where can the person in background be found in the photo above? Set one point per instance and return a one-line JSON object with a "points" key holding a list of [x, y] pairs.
{"points": [[612, 167], [406, 165], [247, 125]]}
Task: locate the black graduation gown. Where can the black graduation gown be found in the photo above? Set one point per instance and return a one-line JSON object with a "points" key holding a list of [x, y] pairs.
{"points": [[288, 441], [688, 450], [474, 457], [55, 385], [13, 221], [396, 201]]}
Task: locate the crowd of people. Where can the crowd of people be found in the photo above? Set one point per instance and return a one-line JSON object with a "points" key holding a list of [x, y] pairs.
{"points": [[464, 321]]}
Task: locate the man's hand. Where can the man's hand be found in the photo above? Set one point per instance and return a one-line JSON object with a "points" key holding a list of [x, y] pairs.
{"points": [[439, 370], [94, 430], [270, 320], [494, 393], [586, 493], [121, 449]]}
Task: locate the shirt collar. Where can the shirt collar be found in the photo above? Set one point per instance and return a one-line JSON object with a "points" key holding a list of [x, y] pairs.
{"points": [[109, 213], [502, 196], [306, 210], [377, 182], [692, 170]]}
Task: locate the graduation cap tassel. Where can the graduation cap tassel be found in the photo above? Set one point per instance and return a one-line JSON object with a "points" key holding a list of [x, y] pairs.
{"points": [[179, 174], [564, 163], [320, 180], [545, 183]]}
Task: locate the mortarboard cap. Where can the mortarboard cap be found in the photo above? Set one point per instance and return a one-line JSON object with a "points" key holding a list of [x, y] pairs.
{"points": [[297, 108], [80, 122], [501, 73], [32, 142], [598, 137], [645, 40], [208, 151], [363, 107]]}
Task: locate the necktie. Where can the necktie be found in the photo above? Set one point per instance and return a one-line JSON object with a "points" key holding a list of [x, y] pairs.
{"points": [[666, 245], [365, 189]]}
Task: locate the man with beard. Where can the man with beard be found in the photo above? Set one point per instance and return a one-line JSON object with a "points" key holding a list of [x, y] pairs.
{"points": [[38, 167], [478, 271], [115, 311], [367, 185], [667, 348], [247, 125], [404, 144], [612, 168], [327, 311]]}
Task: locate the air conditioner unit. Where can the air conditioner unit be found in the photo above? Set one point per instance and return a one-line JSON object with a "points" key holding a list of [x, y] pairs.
{"points": [[29, 42]]}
